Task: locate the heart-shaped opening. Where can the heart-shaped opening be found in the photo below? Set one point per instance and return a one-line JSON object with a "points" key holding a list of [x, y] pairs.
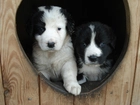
{"points": [[110, 12]]}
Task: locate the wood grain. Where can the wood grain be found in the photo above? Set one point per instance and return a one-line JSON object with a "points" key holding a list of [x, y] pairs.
{"points": [[96, 98], [20, 82], [48, 96], [136, 88], [2, 101]]}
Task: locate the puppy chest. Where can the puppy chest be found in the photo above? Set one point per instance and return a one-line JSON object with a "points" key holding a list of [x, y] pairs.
{"points": [[50, 62], [53, 63], [89, 69]]}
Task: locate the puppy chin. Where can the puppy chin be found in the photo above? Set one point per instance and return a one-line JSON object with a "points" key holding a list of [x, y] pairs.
{"points": [[44, 48], [49, 49], [53, 50], [92, 63]]}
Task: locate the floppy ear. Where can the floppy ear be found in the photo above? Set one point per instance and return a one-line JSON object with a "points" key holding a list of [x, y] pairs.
{"points": [[77, 33], [111, 36], [113, 43], [113, 39], [32, 20], [70, 22]]}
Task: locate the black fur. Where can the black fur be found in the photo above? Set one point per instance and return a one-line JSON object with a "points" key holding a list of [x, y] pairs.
{"points": [[35, 24], [104, 39], [70, 22]]}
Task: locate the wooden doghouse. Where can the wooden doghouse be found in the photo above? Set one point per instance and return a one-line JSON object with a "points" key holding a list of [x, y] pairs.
{"points": [[20, 85]]}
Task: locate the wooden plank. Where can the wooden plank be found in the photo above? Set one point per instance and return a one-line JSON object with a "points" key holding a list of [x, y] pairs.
{"points": [[49, 96], [2, 101], [98, 98], [119, 89], [136, 89], [20, 82]]}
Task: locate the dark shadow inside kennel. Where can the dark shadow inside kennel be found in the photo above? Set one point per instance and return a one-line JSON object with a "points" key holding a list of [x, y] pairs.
{"points": [[110, 12]]}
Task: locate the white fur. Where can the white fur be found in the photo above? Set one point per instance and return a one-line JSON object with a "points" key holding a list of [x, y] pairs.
{"points": [[92, 49], [58, 62], [92, 72], [54, 20]]}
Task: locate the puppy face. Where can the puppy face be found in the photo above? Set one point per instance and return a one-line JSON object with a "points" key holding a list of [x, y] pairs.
{"points": [[50, 25], [94, 43]]}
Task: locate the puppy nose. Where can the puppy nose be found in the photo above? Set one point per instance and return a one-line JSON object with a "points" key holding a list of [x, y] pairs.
{"points": [[92, 58], [51, 44]]}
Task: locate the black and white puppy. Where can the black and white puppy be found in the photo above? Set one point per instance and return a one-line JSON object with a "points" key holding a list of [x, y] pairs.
{"points": [[94, 45], [53, 53]]}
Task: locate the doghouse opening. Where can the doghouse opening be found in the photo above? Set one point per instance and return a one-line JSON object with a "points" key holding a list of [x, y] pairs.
{"points": [[110, 12]]}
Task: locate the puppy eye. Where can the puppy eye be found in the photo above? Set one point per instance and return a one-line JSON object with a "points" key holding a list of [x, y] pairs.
{"points": [[42, 29], [58, 29], [84, 44], [102, 44], [39, 30]]}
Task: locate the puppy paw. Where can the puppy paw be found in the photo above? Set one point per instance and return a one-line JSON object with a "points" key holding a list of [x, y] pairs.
{"points": [[73, 88], [83, 80]]}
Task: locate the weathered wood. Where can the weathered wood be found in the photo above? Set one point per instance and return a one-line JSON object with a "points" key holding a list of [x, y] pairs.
{"points": [[2, 101], [20, 82], [98, 98], [136, 88], [48, 96]]}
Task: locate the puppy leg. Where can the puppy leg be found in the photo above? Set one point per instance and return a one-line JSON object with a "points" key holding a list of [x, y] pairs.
{"points": [[69, 75], [82, 80], [45, 74], [43, 70]]}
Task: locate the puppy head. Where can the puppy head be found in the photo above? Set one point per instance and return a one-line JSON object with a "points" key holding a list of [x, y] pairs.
{"points": [[49, 25], [94, 43]]}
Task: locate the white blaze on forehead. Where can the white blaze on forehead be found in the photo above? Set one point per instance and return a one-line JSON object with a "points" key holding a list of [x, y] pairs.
{"points": [[52, 15], [92, 27], [42, 8], [92, 49], [53, 20], [53, 8]]}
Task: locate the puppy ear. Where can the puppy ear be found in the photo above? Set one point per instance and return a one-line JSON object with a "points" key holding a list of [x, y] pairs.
{"points": [[32, 20], [70, 22], [77, 33], [112, 38], [113, 43]]}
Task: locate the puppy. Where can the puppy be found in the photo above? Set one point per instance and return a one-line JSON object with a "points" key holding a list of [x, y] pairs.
{"points": [[94, 46], [51, 26]]}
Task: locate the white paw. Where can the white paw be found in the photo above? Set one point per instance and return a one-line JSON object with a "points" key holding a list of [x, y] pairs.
{"points": [[73, 88], [83, 80]]}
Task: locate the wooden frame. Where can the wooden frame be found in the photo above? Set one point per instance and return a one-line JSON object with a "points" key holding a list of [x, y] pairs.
{"points": [[19, 85]]}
